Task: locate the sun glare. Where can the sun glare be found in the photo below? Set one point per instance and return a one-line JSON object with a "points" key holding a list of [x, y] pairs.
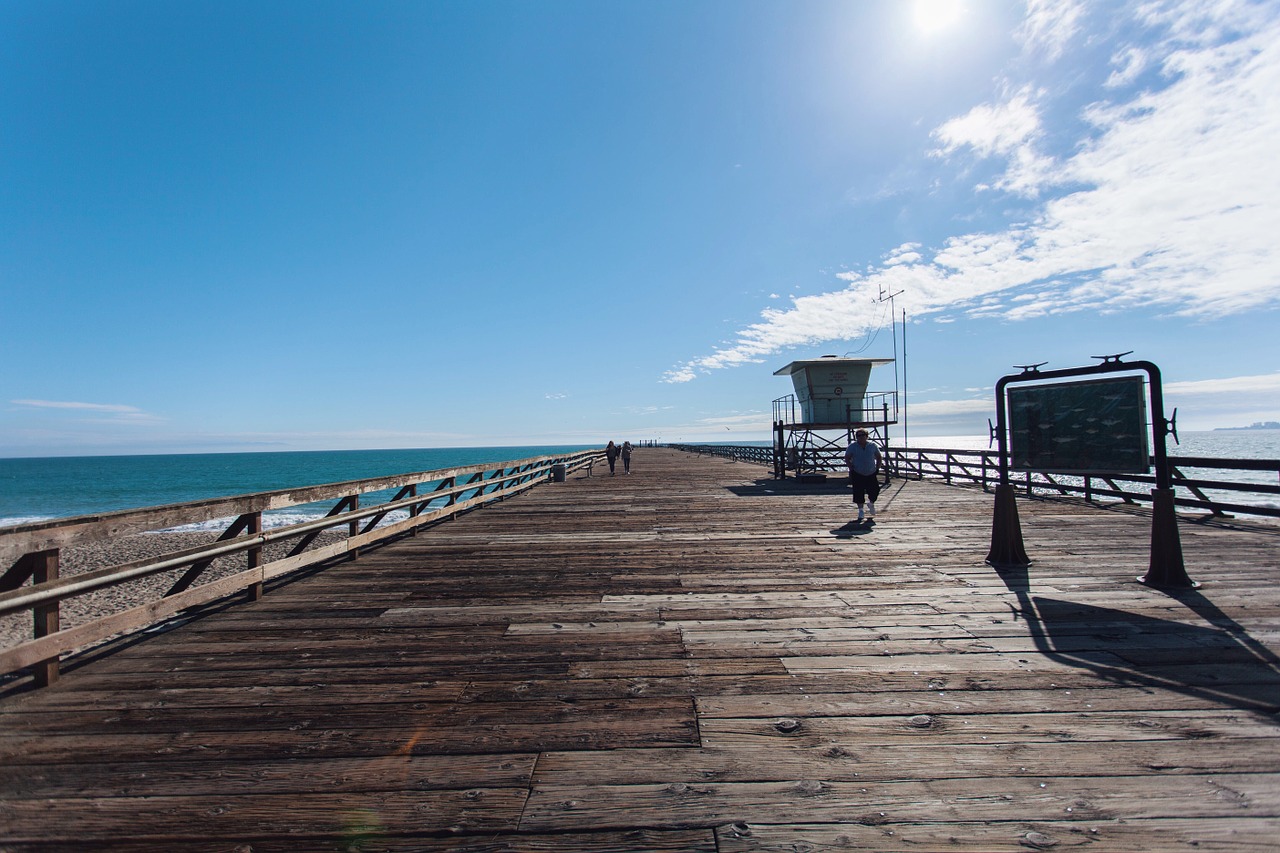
{"points": [[934, 16]]}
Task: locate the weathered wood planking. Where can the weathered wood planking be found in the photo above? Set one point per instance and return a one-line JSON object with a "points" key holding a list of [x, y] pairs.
{"points": [[694, 657]]}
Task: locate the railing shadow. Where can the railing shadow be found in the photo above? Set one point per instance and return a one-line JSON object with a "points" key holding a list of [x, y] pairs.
{"points": [[1219, 662], [837, 483]]}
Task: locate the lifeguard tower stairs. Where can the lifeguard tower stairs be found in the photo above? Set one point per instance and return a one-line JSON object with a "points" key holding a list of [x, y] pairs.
{"points": [[813, 426]]}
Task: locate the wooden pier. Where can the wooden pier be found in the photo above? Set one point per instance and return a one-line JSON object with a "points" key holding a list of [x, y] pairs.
{"points": [[695, 657]]}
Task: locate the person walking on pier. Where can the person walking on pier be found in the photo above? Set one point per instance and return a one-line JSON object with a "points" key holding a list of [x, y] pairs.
{"points": [[611, 454], [626, 457], [864, 460]]}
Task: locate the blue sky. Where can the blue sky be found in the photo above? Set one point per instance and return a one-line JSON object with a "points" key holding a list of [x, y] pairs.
{"points": [[317, 225]]}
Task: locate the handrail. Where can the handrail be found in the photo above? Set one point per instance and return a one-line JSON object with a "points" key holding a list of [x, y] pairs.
{"points": [[38, 545], [758, 454], [982, 468], [64, 532]]}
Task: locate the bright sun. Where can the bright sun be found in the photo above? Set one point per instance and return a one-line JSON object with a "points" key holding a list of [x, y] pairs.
{"points": [[934, 16]]}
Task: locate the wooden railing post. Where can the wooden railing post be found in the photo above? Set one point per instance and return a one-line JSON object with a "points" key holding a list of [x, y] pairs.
{"points": [[353, 529], [254, 555], [414, 509], [44, 566], [33, 556]]}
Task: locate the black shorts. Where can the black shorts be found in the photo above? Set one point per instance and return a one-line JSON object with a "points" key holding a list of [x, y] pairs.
{"points": [[865, 486]]}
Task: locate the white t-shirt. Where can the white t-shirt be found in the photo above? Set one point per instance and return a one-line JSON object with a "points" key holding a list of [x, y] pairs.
{"points": [[862, 460]]}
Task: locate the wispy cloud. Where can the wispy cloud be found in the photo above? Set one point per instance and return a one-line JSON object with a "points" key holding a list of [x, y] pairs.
{"points": [[101, 413], [92, 407], [941, 408], [1260, 384], [1049, 26], [645, 410], [1128, 63], [739, 419], [1009, 129], [992, 128], [1166, 200]]}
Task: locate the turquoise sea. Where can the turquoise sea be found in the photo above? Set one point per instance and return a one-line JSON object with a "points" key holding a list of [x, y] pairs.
{"points": [[64, 486]]}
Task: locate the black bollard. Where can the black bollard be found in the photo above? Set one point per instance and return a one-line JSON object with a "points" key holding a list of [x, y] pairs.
{"points": [[1166, 569], [1006, 531]]}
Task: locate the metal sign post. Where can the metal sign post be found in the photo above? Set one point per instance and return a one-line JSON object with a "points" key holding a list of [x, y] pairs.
{"points": [[1087, 427]]}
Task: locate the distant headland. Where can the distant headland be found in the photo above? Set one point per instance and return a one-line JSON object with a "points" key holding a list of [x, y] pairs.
{"points": [[1255, 425]]}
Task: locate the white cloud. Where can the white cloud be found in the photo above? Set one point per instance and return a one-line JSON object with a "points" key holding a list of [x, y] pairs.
{"points": [[1265, 383], [741, 419], [939, 408], [1049, 26], [92, 407], [645, 410], [1175, 209], [684, 373], [1128, 63], [1010, 129], [110, 414], [992, 129], [907, 253]]}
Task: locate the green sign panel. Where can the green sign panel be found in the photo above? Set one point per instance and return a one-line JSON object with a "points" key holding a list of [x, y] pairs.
{"points": [[1093, 426]]}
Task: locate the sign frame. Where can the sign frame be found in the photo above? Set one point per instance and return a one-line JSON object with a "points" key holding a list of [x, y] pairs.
{"points": [[1091, 426]]}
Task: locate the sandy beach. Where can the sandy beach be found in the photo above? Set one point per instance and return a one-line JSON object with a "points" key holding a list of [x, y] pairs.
{"points": [[16, 627]]}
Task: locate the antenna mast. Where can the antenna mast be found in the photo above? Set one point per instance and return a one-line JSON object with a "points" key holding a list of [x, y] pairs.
{"points": [[893, 326]]}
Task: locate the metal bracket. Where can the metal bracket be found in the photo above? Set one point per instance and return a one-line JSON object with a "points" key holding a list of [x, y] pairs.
{"points": [[1031, 368], [991, 428], [1112, 359], [1171, 426]]}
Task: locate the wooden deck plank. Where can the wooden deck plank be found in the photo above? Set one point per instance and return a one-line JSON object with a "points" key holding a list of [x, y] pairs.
{"points": [[694, 657], [898, 762], [1221, 835], [940, 800]]}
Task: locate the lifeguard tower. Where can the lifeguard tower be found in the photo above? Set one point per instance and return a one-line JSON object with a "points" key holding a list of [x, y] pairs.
{"points": [[813, 426]]}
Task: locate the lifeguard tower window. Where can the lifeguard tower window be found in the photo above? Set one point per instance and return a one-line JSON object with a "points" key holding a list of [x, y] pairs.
{"points": [[1095, 426]]}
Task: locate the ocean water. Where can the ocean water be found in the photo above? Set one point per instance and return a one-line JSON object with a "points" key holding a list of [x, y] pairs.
{"points": [[61, 487]]}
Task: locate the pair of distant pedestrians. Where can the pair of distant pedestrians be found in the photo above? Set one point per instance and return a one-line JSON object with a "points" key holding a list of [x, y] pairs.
{"points": [[864, 460], [613, 451]]}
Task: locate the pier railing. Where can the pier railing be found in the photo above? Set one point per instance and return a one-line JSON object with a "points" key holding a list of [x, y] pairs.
{"points": [[759, 455], [31, 553], [1218, 486]]}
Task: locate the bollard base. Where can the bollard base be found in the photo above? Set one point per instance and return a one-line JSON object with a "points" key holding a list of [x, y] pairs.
{"points": [[1166, 569], [1006, 531]]}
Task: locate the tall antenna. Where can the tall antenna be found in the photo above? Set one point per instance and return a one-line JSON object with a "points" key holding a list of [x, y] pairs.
{"points": [[905, 442], [893, 324]]}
